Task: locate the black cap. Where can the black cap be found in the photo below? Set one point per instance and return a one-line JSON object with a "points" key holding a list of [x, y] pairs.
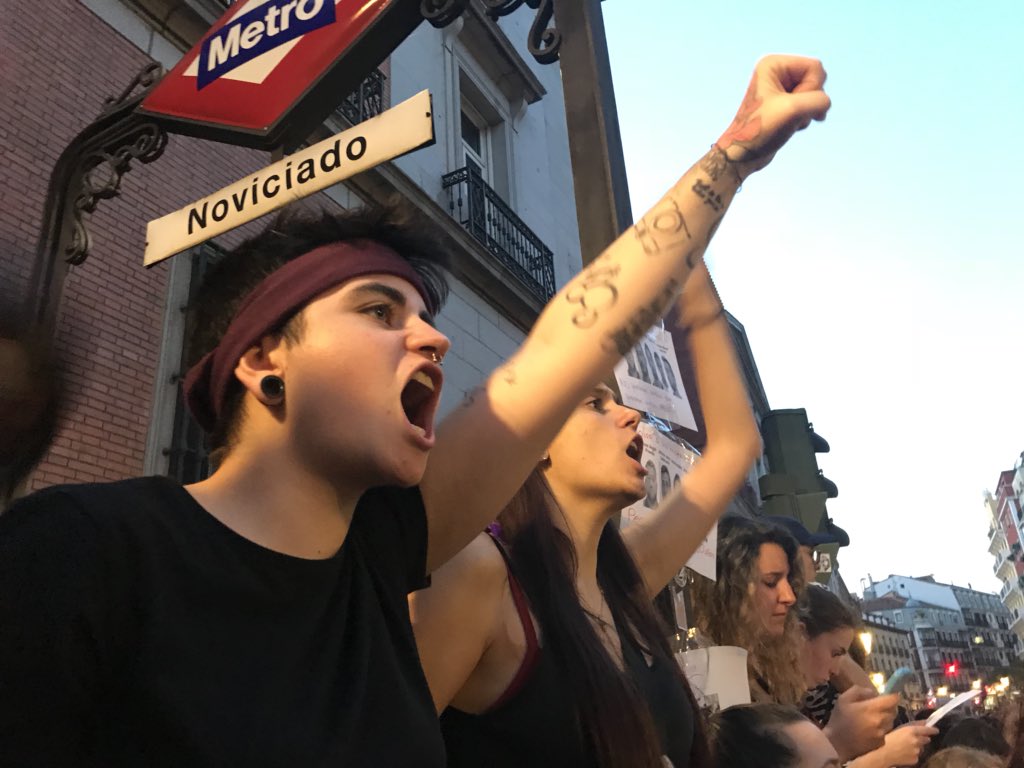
{"points": [[832, 533]]}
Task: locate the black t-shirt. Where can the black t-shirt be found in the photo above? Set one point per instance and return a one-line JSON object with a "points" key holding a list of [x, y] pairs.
{"points": [[137, 630]]}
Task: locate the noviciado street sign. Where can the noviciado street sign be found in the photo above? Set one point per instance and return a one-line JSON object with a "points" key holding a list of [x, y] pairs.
{"points": [[395, 132]]}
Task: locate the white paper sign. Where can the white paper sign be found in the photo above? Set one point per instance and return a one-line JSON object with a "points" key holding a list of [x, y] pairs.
{"points": [[949, 706], [666, 461], [704, 560], [718, 675], [395, 132], [649, 380]]}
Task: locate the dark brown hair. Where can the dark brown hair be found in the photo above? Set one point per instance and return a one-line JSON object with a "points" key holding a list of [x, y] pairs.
{"points": [[614, 723], [31, 400], [820, 612], [751, 736]]}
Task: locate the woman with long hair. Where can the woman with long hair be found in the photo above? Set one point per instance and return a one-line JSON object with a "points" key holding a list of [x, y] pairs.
{"points": [[559, 658], [750, 605]]}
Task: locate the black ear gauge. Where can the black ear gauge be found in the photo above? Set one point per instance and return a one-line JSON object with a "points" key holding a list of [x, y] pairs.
{"points": [[272, 386]]}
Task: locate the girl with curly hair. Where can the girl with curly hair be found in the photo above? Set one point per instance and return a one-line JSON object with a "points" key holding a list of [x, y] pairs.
{"points": [[749, 606]]}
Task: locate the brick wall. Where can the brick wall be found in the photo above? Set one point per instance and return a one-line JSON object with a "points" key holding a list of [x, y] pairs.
{"points": [[56, 68]]}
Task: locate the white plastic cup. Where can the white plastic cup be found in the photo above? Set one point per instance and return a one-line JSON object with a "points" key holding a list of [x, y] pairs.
{"points": [[719, 671]]}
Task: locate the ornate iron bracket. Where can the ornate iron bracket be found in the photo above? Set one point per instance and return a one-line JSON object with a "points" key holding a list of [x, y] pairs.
{"points": [[89, 170], [543, 42], [100, 173]]}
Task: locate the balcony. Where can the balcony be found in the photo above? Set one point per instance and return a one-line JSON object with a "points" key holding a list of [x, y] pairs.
{"points": [[483, 213], [366, 101], [928, 640], [1017, 625], [996, 540], [1009, 588], [1005, 560]]}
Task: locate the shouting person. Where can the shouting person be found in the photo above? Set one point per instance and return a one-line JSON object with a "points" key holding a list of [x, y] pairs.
{"points": [[259, 617]]}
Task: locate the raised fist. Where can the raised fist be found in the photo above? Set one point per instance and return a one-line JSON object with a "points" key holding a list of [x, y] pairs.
{"points": [[785, 94]]}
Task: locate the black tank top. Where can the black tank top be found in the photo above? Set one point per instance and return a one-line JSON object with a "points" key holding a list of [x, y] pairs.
{"points": [[533, 723]]}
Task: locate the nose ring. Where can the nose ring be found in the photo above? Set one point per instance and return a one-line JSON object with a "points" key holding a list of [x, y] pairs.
{"points": [[436, 358]]}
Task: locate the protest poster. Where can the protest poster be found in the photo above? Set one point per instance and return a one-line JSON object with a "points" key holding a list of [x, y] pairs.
{"points": [[649, 380], [666, 459]]}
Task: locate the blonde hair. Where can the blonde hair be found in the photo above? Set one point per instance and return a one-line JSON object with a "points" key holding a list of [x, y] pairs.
{"points": [[725, 610], [962, 757]]}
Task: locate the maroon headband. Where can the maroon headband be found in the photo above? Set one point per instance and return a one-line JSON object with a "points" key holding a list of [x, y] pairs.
{"points": [[279, 296]]}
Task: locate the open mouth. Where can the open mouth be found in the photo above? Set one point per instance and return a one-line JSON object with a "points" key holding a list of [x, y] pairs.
{"points": [[635, 449], [419, 399]]}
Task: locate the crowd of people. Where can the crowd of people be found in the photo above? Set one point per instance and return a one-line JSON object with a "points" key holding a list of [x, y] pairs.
{"points": [[756, 735], [327, 597], [813, 703]]}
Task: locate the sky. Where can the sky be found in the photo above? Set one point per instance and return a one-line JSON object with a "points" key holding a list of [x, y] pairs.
{"points": [[877, 263]]}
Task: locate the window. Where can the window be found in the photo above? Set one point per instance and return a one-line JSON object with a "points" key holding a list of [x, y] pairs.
{"points": [[899, 617], [485, 136], [475, 142], [187, 456]]}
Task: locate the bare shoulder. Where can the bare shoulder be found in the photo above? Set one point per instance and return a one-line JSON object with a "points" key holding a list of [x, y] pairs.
{"points": [[479, 567], [456, 618], [467, 589]]}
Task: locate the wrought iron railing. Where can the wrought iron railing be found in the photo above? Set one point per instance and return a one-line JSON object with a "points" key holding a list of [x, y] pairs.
{"points": [[488, 218], [366, 101]]}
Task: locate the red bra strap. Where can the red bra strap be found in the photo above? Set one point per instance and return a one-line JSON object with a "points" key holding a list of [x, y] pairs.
{"points": [[529, 631]]}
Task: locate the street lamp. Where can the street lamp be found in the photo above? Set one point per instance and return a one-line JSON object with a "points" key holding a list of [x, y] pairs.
{"points": [[866, 639], [878, 680]]}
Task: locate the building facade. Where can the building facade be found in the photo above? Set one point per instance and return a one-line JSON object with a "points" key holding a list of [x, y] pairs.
{"points": [[1003, 510], [496, 187], [959, 634], [892, 648]]}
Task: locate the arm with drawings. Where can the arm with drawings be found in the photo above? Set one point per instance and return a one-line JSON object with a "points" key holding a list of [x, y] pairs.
{"points": [[487, 447]]}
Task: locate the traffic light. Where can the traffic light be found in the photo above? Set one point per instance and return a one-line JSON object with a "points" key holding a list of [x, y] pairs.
{"points": [[951, 669], [790, 443], [794, 486]]}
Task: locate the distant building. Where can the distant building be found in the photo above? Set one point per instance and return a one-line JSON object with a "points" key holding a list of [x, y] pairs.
{"points": [[1004, 512], [959, 633], [748, 500], [892, 647], [993, 644]]}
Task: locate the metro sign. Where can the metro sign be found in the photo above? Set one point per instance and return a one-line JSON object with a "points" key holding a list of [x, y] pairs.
{"points": [[269, 71]]}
